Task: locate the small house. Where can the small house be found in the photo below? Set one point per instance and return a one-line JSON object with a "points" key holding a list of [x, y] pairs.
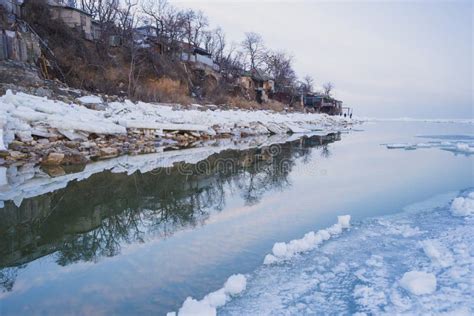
{"points": [[258, 80], [74, 18], [200, 58], [322, 103], [147, 36]]}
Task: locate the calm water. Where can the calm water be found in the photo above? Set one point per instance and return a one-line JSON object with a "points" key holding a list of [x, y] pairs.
{"points": [[140, 244]]}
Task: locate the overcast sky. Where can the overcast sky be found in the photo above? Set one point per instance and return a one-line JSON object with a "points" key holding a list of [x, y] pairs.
{"points": [[386, 59]]}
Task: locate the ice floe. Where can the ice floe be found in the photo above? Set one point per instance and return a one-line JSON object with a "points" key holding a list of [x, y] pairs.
{"points": [[415, 262], [458, 144], [463, 206], [90, 99], [419, 282], [284, 251], [234, 285]]}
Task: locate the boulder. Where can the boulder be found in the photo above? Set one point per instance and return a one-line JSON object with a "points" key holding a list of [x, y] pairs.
{"points": [[74, 157], [53, 159], [108, 152], [17, 155]]}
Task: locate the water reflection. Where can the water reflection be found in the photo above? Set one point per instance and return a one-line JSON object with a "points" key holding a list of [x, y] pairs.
{"points": [[92, 218]]}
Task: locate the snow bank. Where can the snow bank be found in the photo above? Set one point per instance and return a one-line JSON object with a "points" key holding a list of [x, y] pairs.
{"points": [[234, 285], [419, 282], [90, 99], [463, 206], [22, 114], [225, 121], [2, 124], [283, 251]]}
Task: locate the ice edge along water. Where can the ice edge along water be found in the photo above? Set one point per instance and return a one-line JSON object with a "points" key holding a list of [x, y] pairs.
{"points": [[236, 283], [284, 251]]}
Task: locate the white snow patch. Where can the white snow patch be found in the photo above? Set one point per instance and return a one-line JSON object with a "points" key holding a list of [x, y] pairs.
{"points": [[464, 148], [283, 251], [90, 99], [419, 282], [234, 285], [437, 253], [463, 206]]}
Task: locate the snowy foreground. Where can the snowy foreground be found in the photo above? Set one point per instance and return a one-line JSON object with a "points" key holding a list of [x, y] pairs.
{"points": [[419, 262], [25, 116]]}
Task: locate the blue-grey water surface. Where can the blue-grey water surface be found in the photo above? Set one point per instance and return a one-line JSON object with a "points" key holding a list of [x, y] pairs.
{"points": [[140, 244]]}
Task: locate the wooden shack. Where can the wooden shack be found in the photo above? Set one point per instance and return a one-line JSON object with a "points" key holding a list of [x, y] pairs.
{"points": [[322, 103]]}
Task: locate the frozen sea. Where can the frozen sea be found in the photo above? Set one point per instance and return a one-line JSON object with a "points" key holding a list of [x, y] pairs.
{"points": [[143, 243]]}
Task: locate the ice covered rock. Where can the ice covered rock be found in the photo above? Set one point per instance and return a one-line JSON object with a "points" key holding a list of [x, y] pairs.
{"points": [[419, 282], [463, 206], [234, 285], [108, 152], [53, 159], [283, 251]]}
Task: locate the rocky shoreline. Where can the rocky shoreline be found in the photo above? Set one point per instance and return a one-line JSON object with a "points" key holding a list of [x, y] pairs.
{"points": [[38, 130]]}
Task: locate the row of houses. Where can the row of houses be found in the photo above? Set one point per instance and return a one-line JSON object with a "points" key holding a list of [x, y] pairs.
{"points": [[147, 37]]}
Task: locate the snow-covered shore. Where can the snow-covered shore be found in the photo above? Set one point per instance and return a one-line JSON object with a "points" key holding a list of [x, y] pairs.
{"points": [[24, 116]]}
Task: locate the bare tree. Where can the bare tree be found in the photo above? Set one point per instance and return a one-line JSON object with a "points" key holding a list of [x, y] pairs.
{"points": [[308, 83], [328, 87], [194, 24], [127, 18], [104, 11], [215, 43], [280, 66], [232, 62], [254, 49], [157, 12]]}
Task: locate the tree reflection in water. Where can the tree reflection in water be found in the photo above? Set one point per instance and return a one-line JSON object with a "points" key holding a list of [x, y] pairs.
{"points": [[91, 219]]}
